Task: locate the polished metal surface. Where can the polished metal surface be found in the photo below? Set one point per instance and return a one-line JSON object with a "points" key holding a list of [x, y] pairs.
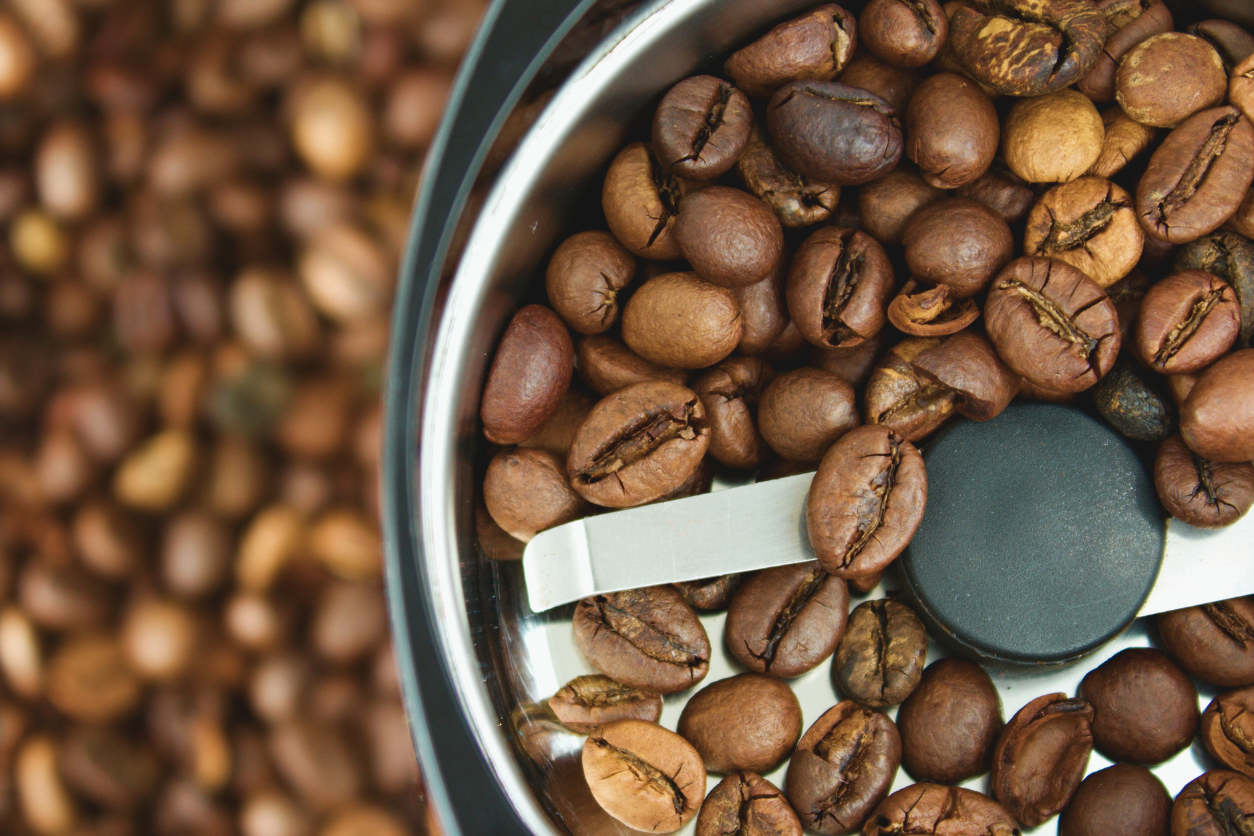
{"points": [[505, 657]]}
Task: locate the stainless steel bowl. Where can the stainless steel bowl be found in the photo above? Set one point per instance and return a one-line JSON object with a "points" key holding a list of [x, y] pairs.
{"points": [[578, 76]]}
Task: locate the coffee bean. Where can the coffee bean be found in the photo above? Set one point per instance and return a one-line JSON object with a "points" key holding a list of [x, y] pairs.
{"points": [[1127, 24], [607, 366], [530, 373], [1227, 732], [833, 132], [852, 364], [1217, 419], [1090, 224], [730, 393], [804, 411], [1052, 324], [678, 320], [1001, 190], [1214, 642], [595, 700], [748, 805], [931, 311], [949, 724], [865, 585], [746, 722], [1231, 258], [1132, 405], [786, 621], [1186, 322], [1233, 43], [1215, 802], [1054, 138], [952, 130], [932, 810], [1041, 757], [644, 638], [815, 46], [729, 236], [763, 312], [700, 127], [1167, 78], [1200, 492], [1241, 86], [843, 767], [584, 278], [1144, 707], [1120, 800], [710, 593], [908, 34], [1197, 177], [957, 242], [879, 661], [89, 679], [839, 287], [903, 399], [643, 775], [641, 201], [865, 502], [796, 200], [886, 204], [895, 85], [527, 491], [1124, 141]]}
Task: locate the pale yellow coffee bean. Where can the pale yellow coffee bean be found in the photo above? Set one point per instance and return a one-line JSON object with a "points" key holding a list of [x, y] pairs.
{"points": [[331, 30], [211, 753], [364, 820], [66, 173], [20, 654], [47, 806], [155, 476], [332, 129], [270, 541], [252, 622], [160, 639], [53, 24], [38, 243], [272, 813], [346, 274], [347, 544], [1052, 139]]}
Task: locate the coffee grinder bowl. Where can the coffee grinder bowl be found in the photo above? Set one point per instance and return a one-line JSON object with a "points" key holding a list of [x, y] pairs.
{"points": [[548, 93]]}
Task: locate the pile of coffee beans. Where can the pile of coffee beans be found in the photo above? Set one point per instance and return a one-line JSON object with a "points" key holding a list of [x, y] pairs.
{"points": [[202, 204], [865, 227]]}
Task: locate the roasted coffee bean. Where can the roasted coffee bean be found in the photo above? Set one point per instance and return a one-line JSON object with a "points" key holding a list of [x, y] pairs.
{"points": [[1001, 190], [1131, 405], [607, 365], [1227, 730], [1218, 801], [1041, 757], [730, 393], [529, 375], [786, 621], [907, 33], [1233, 43], [638, 444], [957, 242], [1052, 139], [1186, 322], [641, 201], [730, 237], [1217, 419], [1124, 141], [763, 311], [886, 204], [880, 659], [747, 805], [903, 399], [584, 278], [815, 46], [931, 311], [839, 287], [681, 321], [1199, 491], [1241, 86], [1167, 78], [710, 593], [746, 722], [865, 502], [527, 491], [1144, 707], [107, 768], [804, 411], [1120, 800], [1127, 24], [932, 810], [1090, 224], [595, 700], [967, 365], [795, 200], [853, 364], [643, 775], [1021, 48], [701, 127], [895, 85], [644, 638], [1230, 257], [833, 132], [1052, 324], [949, 725], [843, 767], [952, 131], [1214, 642], [1197, 177]]}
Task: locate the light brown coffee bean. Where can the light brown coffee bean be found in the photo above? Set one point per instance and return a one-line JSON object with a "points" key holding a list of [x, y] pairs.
{"points": [[643, 775], [681, 321], [804, 411]]}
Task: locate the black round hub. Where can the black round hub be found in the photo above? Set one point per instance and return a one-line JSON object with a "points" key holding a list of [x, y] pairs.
{"points": [[1042, 536]]}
